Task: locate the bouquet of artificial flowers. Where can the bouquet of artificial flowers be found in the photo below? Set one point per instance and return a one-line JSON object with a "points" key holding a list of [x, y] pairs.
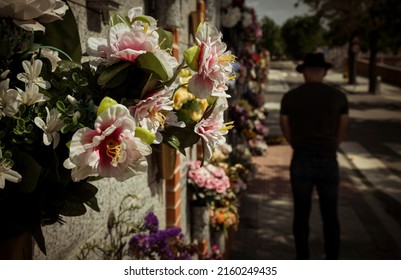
{"points": [[154, 243], [65, 123], [208, 182]]}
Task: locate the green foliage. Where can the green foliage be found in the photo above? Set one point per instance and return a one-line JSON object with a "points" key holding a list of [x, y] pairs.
{"points": [[272, 39], [302, 34], [64, 35]]}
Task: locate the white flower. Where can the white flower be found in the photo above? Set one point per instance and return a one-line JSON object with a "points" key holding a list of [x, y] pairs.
{"points": [[32, 74], [51, 127], [28, 13], [6, 173], [9, 101], [52, 56], [31, 95]]}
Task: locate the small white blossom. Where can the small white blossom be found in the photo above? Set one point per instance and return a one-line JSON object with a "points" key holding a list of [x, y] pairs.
{"points": [[9, 101], [6, 173], [32, 74], [51, 128], [31, 95]]}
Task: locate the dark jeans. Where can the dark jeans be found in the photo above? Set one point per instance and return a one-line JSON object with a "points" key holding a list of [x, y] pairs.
{"points": [[322, 172]]}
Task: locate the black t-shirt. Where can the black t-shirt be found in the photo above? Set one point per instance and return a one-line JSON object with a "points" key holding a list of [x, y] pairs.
{"points": [[314, 110]]}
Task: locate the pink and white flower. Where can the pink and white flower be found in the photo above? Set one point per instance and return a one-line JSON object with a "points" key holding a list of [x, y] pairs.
{"points": [[154, 112], [123, 43], [110, 150], [126, 42], [209, 178], [214, 64], [213, 129]]}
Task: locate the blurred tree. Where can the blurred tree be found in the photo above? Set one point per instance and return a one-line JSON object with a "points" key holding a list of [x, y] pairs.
{"points": [[272, 39], [302, 34], [371, 23]]}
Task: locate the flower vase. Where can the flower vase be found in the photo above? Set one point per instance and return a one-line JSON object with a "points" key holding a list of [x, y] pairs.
{"points": [[200, 225], [166, 160], [219, 238], [19, 247]]}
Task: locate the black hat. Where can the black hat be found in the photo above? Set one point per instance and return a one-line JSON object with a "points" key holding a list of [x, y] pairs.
{"points": [[314, 60]]}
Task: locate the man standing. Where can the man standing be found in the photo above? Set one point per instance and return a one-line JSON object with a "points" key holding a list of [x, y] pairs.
{"points": [[314, 118]]}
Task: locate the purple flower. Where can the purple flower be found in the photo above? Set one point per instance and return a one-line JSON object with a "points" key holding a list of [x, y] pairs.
{"points": [[151, 222]]}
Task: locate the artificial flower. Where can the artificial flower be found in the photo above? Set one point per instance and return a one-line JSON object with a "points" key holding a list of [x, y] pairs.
{"points": [[214, 65], [32, 74], [6, 173], [155, 111], [124, 42], [29, 14], [213, 129], [31, 95], [51, 127], [208, 181], [9, 101], [110, 150]]}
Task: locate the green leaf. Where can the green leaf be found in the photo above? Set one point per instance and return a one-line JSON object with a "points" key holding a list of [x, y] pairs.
{"points": [[75, 77], [191, 57], [82, 191], [110, 71], [105, 104], [92, 203], [60, 106], [72, 207], [145, 135], [67, 65], [174, 142], [149, 62], [165, 39], [180, 138], [64, 35], [142, 18]]}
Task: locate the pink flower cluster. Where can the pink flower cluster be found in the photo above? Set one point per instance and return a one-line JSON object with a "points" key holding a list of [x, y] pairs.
{"points": [[208, 177]]}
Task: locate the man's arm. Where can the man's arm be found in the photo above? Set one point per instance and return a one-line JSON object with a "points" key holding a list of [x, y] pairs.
{"points": [[285, 127], [342, 128]]}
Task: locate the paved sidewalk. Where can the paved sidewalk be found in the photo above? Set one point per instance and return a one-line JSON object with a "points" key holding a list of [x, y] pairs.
{"points": [[266, 216]]}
